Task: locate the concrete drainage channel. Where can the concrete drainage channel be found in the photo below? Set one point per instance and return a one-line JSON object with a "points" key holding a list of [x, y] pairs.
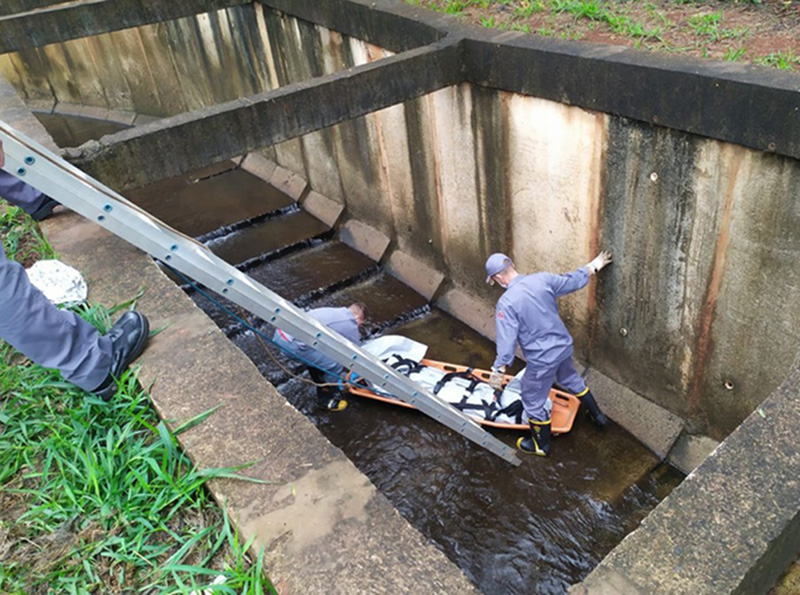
{"points": [[540, 527]]}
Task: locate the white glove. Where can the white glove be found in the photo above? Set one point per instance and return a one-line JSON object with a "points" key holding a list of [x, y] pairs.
{"points": [[600, 261], [496, 379]]}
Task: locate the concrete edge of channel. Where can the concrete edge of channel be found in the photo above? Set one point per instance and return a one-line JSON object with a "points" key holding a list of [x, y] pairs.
{"points": [[732, 526], [321, 522]]}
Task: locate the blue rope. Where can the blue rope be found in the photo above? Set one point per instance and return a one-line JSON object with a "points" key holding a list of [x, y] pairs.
{"points": [[247, 325]]}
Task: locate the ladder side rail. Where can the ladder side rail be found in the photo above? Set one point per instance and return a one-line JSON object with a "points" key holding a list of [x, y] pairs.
{"points": [[84, 195]]}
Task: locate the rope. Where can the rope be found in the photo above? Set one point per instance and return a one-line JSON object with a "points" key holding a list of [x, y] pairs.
{"points": [[261, 337]]}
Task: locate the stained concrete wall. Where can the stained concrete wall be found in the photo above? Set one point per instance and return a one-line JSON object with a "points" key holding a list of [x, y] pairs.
{"points": [[160, 69], [699, 228], [697, 312]]}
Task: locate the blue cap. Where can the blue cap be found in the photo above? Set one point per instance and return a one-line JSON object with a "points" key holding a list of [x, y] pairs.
{"points": [[496, 263]]}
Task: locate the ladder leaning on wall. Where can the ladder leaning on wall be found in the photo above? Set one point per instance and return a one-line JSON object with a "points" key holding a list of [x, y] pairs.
{"points": [[81, 193]]}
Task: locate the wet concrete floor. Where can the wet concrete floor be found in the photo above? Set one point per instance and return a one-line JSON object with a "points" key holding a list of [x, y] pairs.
{"points": [[537, 528]]}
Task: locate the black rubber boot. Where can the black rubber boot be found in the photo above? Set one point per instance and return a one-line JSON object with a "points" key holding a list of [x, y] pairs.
{"points": [[128, 338], [538, 443], [328, 397], [597, 416], [45, 210]]}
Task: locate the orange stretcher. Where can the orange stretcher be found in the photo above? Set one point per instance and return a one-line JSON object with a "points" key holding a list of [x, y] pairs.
{"points": [[565, 405]]}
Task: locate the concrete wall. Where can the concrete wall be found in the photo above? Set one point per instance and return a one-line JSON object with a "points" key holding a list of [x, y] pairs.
{"points": [[697, 312], [160, 69], [700, 230]]}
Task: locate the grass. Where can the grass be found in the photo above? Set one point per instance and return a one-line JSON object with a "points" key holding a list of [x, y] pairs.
{"points": [[98, 497], [781, 60], [21, 237], [645, 24]]}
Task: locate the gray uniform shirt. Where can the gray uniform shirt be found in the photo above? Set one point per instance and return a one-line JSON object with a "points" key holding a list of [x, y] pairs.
{"points": [[528, 312], [340, 320]]}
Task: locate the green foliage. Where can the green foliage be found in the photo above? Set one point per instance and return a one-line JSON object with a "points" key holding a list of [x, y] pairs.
{"points": [[781, 60], [22, 239], [99, 497], [655, 31], [733, 55], [526, 8], [708, 26]]}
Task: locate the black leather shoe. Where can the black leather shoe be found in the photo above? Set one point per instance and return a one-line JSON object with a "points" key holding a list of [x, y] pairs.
{"points": [[128, 338], [44, 211]]}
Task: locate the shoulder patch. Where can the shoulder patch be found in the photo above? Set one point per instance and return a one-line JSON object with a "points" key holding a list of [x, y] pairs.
{"points": [[500, 315]]}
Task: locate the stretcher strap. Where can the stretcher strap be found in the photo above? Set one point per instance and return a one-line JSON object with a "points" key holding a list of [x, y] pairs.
{"points": [[404, 365], [488, 409], [514, 411], [467, 375]]}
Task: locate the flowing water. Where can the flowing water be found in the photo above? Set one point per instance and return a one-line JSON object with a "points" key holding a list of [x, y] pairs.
{"points": [[537, 528]]}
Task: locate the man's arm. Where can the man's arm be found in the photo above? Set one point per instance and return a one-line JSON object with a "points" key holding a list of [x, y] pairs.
{"points": [[569, 282], [507, 326]]}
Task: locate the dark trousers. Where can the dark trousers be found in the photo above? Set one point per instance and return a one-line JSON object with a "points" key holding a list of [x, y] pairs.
{"points": [[48, 336]]}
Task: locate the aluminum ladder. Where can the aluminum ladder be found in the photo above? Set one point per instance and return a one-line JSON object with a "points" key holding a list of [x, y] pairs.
{"points": [[49, 173]]}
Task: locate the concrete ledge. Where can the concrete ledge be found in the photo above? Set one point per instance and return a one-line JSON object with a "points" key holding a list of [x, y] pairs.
{"points": [[323, 208], [732, 526], [94, 112], [414, 273], [364, 238], [68, 109], [15, 6], [654, 426], [288, 182], [259, 166], [469, 309], [140, 120], [689, 452], [41, 106]]}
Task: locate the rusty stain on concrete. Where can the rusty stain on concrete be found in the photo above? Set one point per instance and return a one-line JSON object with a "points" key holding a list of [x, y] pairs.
{"points": [[718, 267], [596, 204]]}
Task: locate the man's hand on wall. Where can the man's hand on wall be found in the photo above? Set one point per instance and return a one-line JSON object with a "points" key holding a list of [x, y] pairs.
{"points": [[600, 261]]}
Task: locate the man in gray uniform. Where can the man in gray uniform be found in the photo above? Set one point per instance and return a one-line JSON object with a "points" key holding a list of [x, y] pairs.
{"points": [[323, 370], [527, 313], [56, 338]]}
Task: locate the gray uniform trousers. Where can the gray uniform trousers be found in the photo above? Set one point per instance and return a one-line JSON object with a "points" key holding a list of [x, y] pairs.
{"points": [[50, 337]]}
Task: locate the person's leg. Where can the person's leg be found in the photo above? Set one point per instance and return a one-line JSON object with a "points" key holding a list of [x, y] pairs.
{"points": [[535, 392], [328, 397], [29, 199], [568, 377], [50, 337]]}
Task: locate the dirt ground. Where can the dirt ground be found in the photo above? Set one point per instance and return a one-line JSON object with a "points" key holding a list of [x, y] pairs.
{"points": [[765, 33]]}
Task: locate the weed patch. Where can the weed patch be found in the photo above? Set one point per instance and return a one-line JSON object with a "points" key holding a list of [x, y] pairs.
{"points": [[99, 497], [762, 32]]}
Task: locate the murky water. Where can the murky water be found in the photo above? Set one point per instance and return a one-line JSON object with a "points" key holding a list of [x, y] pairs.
{"points": [[73, 131], [537, 528]]}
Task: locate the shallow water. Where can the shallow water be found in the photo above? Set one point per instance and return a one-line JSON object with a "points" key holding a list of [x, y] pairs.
{"points": [[73, 131]]}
